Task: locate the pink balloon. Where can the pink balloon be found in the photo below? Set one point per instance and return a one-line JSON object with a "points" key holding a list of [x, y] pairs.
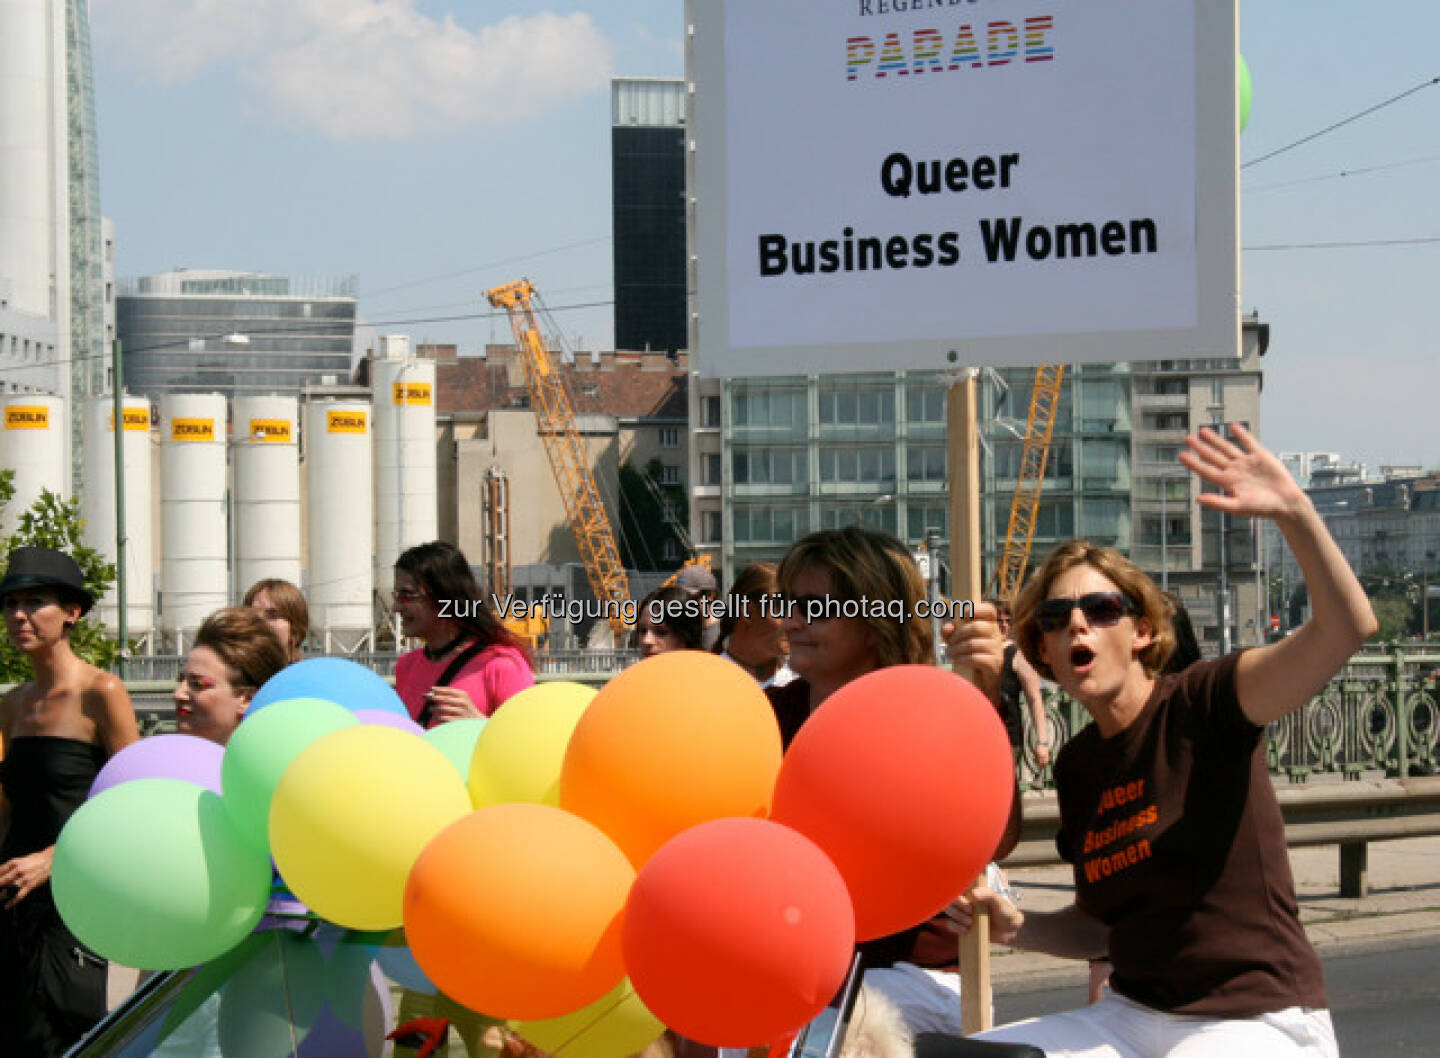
{"points": [[185, 757], [388, 719]]}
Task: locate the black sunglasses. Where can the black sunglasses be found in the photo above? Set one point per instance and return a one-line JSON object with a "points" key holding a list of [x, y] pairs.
{"points": [[1101, 609]]}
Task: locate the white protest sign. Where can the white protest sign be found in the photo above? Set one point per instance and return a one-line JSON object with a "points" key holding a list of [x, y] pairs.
{"points": [[919, 183]]}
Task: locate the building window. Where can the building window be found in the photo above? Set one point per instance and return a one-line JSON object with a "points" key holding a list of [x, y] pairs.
{"points": [[768, 466], [669, 437], [712, 530], [925, 464], [709, 411], [670, 550], [768, 525], [667, 512], [710, 468], [925, 405], [857, 407], [769, 409], [669, 475], [867, 465]]}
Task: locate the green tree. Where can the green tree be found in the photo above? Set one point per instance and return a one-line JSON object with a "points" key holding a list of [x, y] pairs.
{"points": [[1394, 614], [55, 523], [644, 529]]}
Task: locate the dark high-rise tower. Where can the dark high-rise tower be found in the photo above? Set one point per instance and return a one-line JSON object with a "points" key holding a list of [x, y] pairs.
{"points": [[647, 150]]}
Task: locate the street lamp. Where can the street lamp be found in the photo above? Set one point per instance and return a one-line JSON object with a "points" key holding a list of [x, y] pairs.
{"points": [[117, 392], [1425, 596]]}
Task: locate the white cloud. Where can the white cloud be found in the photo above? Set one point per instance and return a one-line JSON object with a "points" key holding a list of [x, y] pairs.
{"points": [[357, 69]]}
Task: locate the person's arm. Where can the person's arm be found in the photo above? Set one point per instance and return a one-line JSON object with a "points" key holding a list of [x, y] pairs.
{"points": [[1273, 681], [115, 714], [1030, 688], [1070, 933]]}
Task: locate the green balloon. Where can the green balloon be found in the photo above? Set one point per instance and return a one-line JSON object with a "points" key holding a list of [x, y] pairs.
{"points": [[1243, 89], [347, 978], [277, 992], [203, 994], [260, 750], [153, 874], [456, 740]]}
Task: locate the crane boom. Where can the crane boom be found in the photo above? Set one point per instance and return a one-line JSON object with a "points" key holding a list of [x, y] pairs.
{"points": [[1025, 504], [555, 420]]}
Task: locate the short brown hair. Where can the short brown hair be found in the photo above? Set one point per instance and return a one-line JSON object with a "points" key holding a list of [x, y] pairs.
{"points": [[243, 641], [1129, 578], [870, 565], [752, 584], [290, 603]]}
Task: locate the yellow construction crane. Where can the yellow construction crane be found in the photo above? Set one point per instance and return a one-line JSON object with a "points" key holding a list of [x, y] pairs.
{"points": [[555, 419], [1020, 532]]}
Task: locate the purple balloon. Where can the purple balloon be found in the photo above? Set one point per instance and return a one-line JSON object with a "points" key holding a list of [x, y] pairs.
{"points": [[389, 719], [185, 757]]}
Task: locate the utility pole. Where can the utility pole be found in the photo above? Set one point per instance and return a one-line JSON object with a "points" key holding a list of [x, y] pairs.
{"points": [[117, 387]]}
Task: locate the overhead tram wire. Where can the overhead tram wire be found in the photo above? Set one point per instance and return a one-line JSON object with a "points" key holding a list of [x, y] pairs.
{"points": [[1422, 240], [484, 267], [1340, 124], [1363, 171]]}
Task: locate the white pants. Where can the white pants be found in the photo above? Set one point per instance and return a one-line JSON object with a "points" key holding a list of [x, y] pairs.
{"points": [[1117, 1027], [928, 1000]]}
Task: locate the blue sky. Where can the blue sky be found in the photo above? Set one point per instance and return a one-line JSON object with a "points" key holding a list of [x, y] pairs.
{"points": [[436, 148]]}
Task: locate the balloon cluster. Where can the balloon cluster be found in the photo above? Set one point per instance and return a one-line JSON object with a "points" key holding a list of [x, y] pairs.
{"points": [[592, 867]]}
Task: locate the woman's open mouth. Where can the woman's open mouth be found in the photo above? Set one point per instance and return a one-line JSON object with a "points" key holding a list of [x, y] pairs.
{"points": [[1081, 657]]}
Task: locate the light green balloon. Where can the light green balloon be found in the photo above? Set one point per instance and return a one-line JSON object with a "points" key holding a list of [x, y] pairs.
{"points": [[260, 750], [456, 740], [153, 874], [277, 993], [1244, 89]]}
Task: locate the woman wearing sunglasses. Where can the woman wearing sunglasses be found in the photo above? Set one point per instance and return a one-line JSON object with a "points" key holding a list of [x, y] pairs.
{"points": [[1166, 807]]}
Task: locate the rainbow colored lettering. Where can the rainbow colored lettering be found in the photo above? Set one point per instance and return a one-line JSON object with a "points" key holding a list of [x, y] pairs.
{"points": [[925, 51]]}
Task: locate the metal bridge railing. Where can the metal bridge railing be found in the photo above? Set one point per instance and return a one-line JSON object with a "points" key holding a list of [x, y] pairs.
{"points": [[1378, 717]]}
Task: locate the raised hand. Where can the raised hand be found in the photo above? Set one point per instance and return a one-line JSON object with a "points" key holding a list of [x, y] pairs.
{"points": [[1252, 481]]}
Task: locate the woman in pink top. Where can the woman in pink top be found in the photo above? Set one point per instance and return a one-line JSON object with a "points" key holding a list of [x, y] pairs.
{"points": [[440, 603]]}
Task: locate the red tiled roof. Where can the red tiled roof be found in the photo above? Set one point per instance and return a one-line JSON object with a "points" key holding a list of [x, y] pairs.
{"points": [[643, 385]]}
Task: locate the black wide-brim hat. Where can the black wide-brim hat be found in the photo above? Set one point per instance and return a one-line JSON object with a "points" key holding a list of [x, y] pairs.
{"points": [[42, 567]]}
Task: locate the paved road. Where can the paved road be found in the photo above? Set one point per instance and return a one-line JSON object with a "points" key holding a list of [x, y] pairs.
{"points": [[1384, 997]]}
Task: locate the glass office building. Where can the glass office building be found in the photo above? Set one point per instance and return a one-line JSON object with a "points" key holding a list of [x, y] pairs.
{"points": [[820, 452], [825, 452], [172, 329]]}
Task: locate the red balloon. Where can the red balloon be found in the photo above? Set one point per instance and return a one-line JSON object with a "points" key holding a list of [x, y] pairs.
{"points": [[737, 932], [904, 778]]}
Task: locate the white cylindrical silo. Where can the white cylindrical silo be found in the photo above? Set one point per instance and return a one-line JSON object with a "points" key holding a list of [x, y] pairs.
{"points": [[32, 443], [341, 515], [194, 519], [265, 455], [27, 211], [404, 445], [97, 506]]}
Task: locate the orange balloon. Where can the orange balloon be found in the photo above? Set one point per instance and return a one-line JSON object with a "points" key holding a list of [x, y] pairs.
{"points": [[515, 911], [676, 740], [738, 931], [904, 778]]}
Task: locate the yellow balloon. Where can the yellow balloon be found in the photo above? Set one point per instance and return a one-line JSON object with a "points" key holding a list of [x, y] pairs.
{"points": [[352, 813], [519, 754], [615, 1025]]}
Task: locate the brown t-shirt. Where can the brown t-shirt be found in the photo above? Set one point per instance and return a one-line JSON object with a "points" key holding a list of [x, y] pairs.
{"points": [[1178, 845]]}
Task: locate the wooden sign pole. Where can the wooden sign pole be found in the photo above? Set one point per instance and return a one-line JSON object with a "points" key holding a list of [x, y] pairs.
{"points": [[963, 431]]}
